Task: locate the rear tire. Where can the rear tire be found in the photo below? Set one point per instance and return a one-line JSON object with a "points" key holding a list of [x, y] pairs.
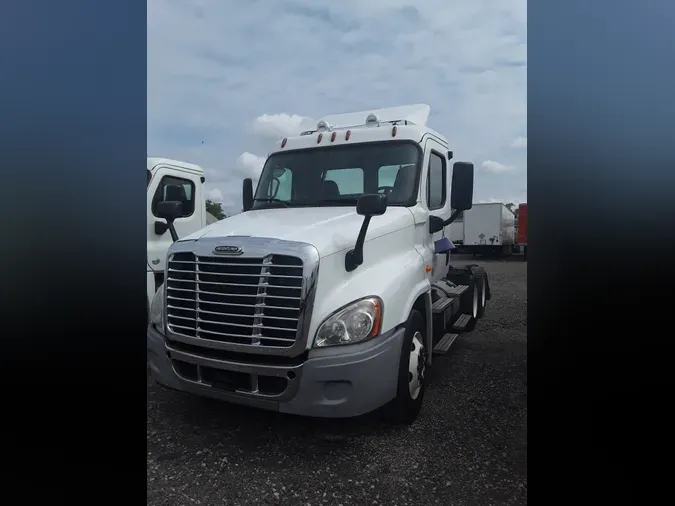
{"points": [[481, 279], [405, 407], [471, 304]]}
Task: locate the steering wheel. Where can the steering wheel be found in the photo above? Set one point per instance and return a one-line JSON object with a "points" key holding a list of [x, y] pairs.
{"points": [[387, 189]]}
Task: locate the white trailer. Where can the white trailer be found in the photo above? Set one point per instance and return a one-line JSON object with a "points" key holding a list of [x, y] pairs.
{"points": [[488, 228], [456, 231]]}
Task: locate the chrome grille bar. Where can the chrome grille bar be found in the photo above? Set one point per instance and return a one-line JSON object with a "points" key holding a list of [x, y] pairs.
{"points": [[248, 301]]}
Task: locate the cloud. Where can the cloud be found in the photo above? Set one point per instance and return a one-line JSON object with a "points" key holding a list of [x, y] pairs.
{"points": [[227, 79], [275, 126], [214, 194], [519, 143], [249, 165], [496, 167]]}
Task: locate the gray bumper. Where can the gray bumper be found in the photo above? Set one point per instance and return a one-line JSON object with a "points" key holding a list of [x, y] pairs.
{"points": [[335, 382]]}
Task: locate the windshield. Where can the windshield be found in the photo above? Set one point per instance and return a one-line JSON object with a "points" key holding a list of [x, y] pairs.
{"points": [[335, 176]]}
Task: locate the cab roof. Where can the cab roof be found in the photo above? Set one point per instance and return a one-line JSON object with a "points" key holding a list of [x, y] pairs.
{"points": [[154, 161], [406, 122]]}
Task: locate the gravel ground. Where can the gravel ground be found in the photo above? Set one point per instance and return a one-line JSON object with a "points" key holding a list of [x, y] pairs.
{"points": [[469, 445]]}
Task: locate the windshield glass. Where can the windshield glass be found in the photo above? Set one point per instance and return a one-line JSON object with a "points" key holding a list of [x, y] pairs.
{"points": [[335, 176]]}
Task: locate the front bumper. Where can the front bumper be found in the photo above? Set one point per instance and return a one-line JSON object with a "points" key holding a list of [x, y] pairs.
{"points": [[334, 382]]}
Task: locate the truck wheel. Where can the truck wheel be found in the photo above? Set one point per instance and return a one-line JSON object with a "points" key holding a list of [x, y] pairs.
{"points": [[481, 279], [411, 373], [470, 304]]}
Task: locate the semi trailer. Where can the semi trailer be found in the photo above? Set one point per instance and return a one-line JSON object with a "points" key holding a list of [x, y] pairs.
{"points": [[487, 229], [332, 293], [521, 235]]}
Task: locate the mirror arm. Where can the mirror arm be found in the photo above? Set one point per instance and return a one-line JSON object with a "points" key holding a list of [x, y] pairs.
{"points": [[452, 218], [354, 257], [172, 231]]}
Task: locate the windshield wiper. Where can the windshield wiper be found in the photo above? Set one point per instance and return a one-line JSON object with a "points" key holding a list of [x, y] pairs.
{"points": [[271, 200]]}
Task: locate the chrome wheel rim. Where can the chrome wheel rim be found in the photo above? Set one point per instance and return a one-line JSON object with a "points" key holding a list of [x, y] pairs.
{"points": [[416, 366]]}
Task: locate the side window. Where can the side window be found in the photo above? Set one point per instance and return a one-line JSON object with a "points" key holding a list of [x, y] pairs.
{"points": [[386, 175], [436, 182], [349, 181], [280, 184], [175, 188]]}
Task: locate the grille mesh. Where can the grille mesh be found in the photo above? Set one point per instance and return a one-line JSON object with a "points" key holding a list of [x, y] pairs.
{"points": [[250, 301]]}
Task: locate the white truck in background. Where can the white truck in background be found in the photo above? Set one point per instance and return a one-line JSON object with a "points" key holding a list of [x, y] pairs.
{"points": [[331, 292], [486, 228], [170, 180]]}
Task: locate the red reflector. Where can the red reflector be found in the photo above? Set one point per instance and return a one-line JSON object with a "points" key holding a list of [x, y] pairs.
{"points": [[348, 135], [283, 142], [393, 131], [318, 139], [332, 136]]}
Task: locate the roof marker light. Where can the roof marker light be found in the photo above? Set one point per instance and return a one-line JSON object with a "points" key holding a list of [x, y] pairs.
{"points": [[283, 142], [348, 135], [332, 136], [318, 139], [372, 120], [393, 131]]}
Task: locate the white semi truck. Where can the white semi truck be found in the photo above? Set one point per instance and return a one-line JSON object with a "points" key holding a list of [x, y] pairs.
{"points": [[329, 295], [171, 180]]}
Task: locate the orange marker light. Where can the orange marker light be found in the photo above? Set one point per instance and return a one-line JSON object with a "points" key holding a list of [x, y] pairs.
{"points": [[378, 316], [427, 268]]}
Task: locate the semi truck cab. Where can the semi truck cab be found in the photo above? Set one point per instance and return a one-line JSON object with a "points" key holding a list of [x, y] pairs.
{"points": [[331, 293], [170, 180]]}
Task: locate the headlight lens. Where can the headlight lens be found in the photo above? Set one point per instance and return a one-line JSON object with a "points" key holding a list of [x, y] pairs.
{"points": [[157, 309], [356, 323]]}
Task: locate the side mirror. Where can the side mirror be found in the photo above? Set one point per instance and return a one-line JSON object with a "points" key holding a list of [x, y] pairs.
{"points": [[170, 210], [462, 186], [371, 205], [247, 194], [374, 204], [435, 224]]}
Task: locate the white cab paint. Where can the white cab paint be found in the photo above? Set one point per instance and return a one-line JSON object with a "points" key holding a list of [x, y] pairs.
{"points": [[398, 246]]}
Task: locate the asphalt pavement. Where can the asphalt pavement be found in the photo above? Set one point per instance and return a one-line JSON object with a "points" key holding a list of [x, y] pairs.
{"points": [[469, 445]]}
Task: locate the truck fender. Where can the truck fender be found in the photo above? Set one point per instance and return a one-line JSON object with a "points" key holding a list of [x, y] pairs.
{"points": [[422, 289]]}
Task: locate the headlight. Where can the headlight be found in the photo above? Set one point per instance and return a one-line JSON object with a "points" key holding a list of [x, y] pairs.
{"points": [[353, 324], [157, 309]]}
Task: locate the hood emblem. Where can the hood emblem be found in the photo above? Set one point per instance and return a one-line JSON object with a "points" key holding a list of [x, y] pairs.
{"points": [[227, 250]]}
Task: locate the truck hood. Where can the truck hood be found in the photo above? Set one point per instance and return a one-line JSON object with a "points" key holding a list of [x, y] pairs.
{"points": [[328, 229]]}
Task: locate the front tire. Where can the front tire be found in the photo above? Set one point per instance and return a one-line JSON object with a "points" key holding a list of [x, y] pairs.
{"points": [[407, 404]]}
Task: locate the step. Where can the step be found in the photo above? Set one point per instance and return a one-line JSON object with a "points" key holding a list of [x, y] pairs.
{"points": [[441, 305], [458, 290], [444, 344], [461, 322], [450, 289]]}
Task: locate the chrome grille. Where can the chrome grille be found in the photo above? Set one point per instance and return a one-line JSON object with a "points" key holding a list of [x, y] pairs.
{"points": [[249, 301]]}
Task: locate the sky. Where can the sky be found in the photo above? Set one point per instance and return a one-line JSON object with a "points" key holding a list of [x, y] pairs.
{"points": [[229, 78]]}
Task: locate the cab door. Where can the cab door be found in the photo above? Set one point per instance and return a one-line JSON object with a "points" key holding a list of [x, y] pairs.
{"points": [[436, 199], [160, 187]]}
